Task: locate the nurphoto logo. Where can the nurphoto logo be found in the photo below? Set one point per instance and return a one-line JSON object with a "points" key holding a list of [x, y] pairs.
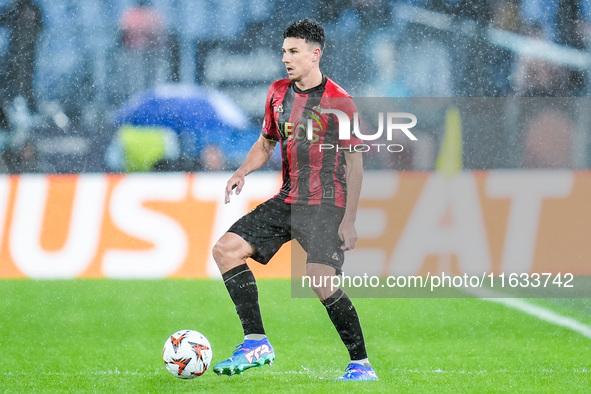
{"points": [[395, 122]]}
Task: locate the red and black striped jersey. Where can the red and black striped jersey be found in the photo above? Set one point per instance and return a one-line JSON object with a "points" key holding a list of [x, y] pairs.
{"points": [[314, 168]]}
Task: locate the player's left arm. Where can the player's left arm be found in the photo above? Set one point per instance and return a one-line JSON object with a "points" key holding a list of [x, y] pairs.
{"points": [[347, 231]]}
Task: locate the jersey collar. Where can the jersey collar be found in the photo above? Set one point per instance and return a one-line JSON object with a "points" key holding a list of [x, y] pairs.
{"points": [[308, 91]]}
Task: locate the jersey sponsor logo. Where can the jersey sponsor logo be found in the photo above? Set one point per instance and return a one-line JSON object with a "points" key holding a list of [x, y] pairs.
{"points": [[302, 131], [298, 131]]}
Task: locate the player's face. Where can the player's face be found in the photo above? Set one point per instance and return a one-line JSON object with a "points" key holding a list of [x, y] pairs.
{"points": [[299, 57]]}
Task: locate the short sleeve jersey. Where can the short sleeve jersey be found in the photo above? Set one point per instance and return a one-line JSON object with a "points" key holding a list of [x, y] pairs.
{"points": [[314, 167]]}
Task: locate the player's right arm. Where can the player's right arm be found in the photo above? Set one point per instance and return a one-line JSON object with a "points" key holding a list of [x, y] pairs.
{"points": [[259, 154]]}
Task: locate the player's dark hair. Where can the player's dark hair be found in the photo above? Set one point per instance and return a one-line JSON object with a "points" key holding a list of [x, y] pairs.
{"points": [[308, 29]]}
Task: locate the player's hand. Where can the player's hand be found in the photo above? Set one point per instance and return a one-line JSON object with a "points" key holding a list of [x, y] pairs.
{"points": [[347, 234], [235, 182]]}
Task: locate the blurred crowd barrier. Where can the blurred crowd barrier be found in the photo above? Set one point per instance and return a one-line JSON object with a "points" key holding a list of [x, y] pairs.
{"points": [[160, 226], [79, 61]]}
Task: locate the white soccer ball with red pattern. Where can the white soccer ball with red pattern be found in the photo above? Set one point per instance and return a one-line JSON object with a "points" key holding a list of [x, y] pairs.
{"points": [[187, 354]]}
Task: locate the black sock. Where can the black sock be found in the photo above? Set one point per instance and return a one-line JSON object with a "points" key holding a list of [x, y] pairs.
{"points": [[243, 290], [343, 315]]}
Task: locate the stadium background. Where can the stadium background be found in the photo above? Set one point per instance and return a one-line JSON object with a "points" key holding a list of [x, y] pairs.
{"points": [[484, 51], [376, 48]]}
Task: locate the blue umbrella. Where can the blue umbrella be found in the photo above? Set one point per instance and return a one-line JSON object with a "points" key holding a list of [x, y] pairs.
{"points": [[197, 114], [182, 107]]}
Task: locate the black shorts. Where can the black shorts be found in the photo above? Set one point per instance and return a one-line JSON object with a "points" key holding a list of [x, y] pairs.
{"points": [[275, 222]]}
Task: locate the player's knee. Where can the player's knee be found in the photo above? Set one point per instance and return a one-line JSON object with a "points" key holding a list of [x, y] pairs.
{"points": [[218, 251], [222, 250], [230, 250], [322, 282]]}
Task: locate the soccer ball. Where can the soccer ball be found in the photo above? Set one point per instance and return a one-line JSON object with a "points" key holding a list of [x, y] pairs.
{"points": [[187, 354]]}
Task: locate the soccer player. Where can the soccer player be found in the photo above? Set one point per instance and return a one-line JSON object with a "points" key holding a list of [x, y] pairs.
{"points": [[316, 205]]}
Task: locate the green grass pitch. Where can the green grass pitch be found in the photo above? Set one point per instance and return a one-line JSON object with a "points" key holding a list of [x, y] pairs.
{"points": [[107, 336]]}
